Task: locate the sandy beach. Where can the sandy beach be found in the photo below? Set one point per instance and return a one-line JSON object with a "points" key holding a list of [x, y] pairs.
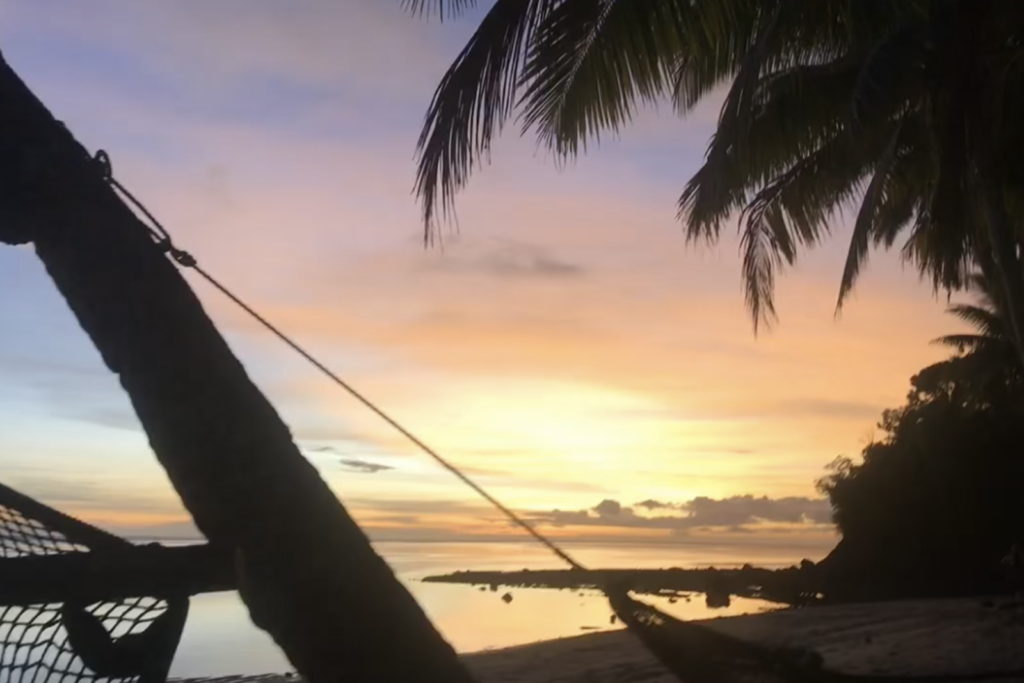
{"points": [[912, 638]]}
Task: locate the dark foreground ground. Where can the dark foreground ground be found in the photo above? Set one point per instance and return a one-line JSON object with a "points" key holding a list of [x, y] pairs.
{"points": [[911, 638]]}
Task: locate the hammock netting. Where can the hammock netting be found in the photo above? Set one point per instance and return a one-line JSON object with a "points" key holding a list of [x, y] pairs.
{"points": [[120, 639]]}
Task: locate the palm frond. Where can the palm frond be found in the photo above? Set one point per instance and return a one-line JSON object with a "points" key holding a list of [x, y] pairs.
{"points": [[444, 9], [695, 77], [864, 227], [592, 61], [948, 201], [711, 195], [795, 210], [949, 229], [1007, 106], [943, 259], [793, 51], [796, 111], [767, 40], [980, 284], [895, 213], [767, 245], [944, 251], [729, 143], [988, 355], [818, 89], [907, 184], [472, 102], [961, 342], [983, 286], [989, 323], [892, 74]]}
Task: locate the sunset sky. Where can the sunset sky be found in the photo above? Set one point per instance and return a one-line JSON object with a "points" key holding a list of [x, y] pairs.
{"points": [[566, 346]]}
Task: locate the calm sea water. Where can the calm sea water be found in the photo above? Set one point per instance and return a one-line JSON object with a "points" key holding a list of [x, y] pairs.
{"points": [[220, 640]]}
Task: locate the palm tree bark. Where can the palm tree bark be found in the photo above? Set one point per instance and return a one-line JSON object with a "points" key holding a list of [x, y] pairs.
{"points": [[307, 572]]}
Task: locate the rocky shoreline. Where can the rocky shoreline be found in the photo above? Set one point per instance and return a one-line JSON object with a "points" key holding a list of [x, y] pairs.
{"points": [[789, 586]]}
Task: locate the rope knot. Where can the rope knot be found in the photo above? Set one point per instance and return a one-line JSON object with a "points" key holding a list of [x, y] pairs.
{"points": [[179, 256], [183, 258], [104, 164]]}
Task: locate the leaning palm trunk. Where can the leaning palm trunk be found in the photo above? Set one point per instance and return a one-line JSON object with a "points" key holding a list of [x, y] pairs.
{"points": [[307, 573]]}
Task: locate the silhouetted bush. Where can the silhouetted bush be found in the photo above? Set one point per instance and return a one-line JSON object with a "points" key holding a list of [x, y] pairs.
{"points": [[936, 502]]}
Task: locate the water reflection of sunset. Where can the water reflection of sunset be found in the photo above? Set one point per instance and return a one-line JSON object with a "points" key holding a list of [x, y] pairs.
{"points": [[219, 640]]}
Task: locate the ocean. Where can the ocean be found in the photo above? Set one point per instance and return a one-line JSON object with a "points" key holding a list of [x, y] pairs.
{"points": [[220, 640]]}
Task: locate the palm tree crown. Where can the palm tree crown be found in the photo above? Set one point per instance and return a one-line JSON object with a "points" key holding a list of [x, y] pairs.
{"points": [[987, 316], [985, 366], [901, 110]]}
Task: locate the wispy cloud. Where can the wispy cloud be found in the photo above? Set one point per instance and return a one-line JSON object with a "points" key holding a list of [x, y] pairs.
{"points": [[735, 513], [364, 466], [504, 259]]}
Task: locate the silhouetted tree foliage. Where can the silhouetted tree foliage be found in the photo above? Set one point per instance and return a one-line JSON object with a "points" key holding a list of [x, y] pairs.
{"points": [[902, 112], [985, 368], [935, 502]]}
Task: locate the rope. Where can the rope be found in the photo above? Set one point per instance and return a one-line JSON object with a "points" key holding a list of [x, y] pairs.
{"points": [[163, 240]]}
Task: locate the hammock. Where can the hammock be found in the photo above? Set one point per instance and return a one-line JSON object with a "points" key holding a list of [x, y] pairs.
{"points": [[75, 607]]}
